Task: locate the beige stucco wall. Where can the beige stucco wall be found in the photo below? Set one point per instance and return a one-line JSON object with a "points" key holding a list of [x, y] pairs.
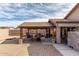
{"points": [[73, 39], [74, 15]]}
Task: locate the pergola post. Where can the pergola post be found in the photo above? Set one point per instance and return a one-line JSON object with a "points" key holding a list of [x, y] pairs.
{"points": [[21, 35], [49, 32], [58, 35], [53, 32], [46, 31], [28, 30]]}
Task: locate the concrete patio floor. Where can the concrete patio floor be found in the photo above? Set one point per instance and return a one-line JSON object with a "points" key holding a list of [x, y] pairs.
{"points": [[66, 50], [12, 48]]}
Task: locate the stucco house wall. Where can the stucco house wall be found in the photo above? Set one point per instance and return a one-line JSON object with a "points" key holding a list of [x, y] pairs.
{"points": [[74, 15], [73, 39]]}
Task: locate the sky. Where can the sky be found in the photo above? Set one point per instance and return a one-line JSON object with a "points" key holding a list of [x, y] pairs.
{"points": [[13, 14]]}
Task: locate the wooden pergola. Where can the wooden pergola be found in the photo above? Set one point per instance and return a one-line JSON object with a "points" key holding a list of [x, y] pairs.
{"points": [[33, 25]]}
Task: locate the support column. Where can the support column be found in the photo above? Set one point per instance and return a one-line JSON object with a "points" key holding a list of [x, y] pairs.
{"points": [[49, 32], [52, 33], [28, 30], [21, 35], [58, 35]]}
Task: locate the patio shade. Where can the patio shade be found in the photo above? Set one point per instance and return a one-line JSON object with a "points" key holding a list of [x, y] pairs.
{"points": [[35, 24]]}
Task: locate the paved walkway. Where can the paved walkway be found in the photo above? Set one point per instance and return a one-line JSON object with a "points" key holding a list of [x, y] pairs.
{"points": [[38, 49], [12, 48], [65, 50]]}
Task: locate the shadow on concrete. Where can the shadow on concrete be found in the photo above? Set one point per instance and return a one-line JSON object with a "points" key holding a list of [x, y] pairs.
{"points": [[11, 41]]}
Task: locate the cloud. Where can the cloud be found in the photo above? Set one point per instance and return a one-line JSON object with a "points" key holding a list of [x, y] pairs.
{"points": [[18, 12]]}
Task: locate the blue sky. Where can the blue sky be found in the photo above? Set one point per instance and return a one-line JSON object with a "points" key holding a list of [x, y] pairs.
{"points": [[12, 14]]}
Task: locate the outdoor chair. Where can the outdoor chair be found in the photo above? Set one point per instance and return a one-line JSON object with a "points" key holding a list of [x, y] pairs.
{"points": [[27, 37], [42, 38]]}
